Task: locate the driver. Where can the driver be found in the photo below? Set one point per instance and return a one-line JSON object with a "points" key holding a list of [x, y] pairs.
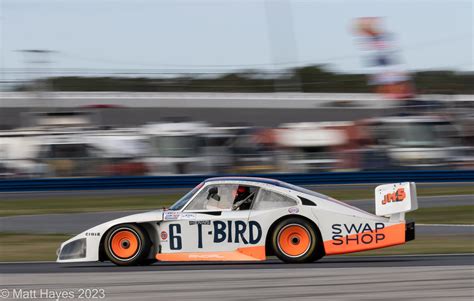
{"points": [[243, 193]]}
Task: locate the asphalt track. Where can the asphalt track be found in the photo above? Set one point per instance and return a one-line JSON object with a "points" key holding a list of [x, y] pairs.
{"points": [[339, 261], [78, 222], [448, 277]]}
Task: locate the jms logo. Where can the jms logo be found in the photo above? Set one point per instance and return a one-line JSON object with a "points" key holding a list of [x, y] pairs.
{"points": [[397, 196]]}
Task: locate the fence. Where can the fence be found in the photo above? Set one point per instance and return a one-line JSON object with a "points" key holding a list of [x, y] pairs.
{"points": [[161, 182]]}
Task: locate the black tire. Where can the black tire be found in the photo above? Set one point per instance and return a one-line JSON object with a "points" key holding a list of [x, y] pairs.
{"points": [[306, 247], [135, 238]]}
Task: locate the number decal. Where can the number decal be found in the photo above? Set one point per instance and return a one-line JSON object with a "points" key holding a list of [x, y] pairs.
{"points": [[175, 238], [232, 232]]}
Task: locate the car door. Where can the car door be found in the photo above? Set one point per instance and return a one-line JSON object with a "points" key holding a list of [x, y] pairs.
{"points": [[209, 223]]}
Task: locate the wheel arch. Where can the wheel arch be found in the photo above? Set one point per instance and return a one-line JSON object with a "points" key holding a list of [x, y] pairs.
{"points": [[268, 243]]}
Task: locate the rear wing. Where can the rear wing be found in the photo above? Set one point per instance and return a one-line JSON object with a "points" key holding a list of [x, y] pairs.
{"points": [[393, 200]]}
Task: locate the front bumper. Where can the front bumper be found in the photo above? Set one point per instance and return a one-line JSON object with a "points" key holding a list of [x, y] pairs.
{"points": [[409, 231]]}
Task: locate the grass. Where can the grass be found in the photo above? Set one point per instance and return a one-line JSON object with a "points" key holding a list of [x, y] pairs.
{"points": [[84, 204], [28, 247], [444, 215], [117, 203]]}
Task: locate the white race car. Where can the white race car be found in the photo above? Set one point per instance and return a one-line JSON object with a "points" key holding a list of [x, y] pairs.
{"points": [[242, 219]]}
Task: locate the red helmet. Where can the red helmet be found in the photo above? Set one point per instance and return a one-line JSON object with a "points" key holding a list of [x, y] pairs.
{"points": [[242, 189]]}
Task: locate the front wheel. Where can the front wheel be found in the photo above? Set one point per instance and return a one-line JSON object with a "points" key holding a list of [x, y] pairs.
{"points": [[295, 240], [127, 245]]}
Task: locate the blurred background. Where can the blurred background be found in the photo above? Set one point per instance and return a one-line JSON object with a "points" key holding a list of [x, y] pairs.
{"points": [[203, 87], [138, 88]]}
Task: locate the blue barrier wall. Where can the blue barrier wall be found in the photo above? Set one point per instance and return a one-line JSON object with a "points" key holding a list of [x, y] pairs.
{"points": [[190, 181]]}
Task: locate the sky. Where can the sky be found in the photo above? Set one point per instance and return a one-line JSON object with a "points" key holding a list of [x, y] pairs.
{"points": [[211, 36]]}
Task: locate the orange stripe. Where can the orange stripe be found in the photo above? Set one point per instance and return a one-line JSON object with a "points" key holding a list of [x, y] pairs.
{"points": [[241, 254], [394, 235]]}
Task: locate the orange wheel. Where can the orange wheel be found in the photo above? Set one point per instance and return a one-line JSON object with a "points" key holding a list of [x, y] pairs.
{"points": [[127, 244], [294, 240], [124, 243]]}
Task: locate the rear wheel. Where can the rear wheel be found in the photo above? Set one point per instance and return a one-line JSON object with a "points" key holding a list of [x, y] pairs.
{"points": [[127, 245], [295, 240]]}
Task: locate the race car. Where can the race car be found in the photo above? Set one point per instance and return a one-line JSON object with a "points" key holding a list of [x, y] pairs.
{"points": [[247, 219]]}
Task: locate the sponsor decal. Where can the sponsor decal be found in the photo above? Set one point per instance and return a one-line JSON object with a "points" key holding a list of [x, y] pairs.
{"points": [[397, 196], [293, 210], [164, 235], [236, 231], [206, 256], [382, 235], [171, 215], [187, 216], [92, 234], [357, 234], [199, 223], [241, 254], [220, 232], [176, 215]]}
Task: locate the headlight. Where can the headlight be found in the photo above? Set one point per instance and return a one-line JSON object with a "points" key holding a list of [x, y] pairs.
{"points": [[74, 249]]}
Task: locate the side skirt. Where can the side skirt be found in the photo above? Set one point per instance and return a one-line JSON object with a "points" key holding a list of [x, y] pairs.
{"points": [[241, 254]]}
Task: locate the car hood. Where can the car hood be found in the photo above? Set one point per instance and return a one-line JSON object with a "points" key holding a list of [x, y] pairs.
{"points": [[155, 215]]}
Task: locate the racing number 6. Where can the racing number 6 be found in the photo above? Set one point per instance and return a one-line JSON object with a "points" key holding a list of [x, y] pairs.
{"points": [[175, 239]]}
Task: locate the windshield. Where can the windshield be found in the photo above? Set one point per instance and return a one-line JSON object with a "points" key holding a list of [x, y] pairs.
{"points": [[184, 200]]}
